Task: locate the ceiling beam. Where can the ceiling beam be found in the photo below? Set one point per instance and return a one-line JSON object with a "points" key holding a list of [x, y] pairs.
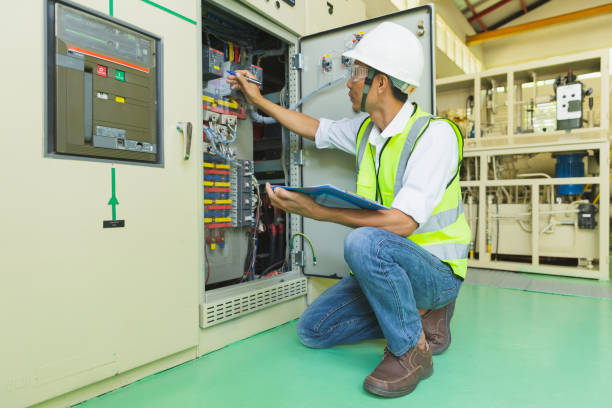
{"points": [[534, 25], [488, 10], [484, 27], [516, 15], [475, 4], [523, 6]]}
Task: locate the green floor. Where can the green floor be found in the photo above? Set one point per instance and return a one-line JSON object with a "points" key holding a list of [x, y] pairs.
{"points": [[510, 348]]}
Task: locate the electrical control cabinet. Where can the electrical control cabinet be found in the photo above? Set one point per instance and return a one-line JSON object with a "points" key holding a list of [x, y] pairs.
{"points": [[103, 88], [253, 243]]}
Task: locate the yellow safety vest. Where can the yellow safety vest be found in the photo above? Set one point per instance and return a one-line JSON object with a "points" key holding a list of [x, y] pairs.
{"points": [[446, 234]]}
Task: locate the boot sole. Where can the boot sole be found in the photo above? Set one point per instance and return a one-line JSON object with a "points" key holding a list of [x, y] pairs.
{"points": [[443, 347], [400, 393]]}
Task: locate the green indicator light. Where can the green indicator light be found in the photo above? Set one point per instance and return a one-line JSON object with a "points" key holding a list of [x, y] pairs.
{"points": [[119, 75]]}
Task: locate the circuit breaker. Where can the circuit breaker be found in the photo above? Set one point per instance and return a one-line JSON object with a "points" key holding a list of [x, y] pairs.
{"points": [[103, 88]]}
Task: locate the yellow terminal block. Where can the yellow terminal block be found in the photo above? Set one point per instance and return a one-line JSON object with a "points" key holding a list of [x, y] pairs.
{"points": [[208, 220], [222, 184], [213, 246], [226, 219], [231, 105], [210, 100], [209, 183], [223, 166], [223, 201], [208, 201], [209, 165]]}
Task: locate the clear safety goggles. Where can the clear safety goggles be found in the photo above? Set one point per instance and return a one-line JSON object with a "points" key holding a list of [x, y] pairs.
{"points": [[357, 72]]}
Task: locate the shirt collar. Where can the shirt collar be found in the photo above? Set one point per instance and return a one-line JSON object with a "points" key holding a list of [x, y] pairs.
{"points": [[396, 126], [399, 121]]}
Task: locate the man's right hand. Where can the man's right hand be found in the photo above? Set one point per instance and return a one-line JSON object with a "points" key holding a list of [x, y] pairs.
{"points": [[296, 122], [249, 90]]}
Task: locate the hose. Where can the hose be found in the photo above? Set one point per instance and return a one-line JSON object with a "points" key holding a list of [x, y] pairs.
{"points": [[257, 118], [260, 54]]}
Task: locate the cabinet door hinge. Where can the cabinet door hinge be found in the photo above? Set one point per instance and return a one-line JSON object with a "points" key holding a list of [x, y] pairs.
{"points": [[297, 61], [298, 158], [298, 258]]}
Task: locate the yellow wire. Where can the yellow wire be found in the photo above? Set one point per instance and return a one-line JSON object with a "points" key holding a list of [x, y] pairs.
{"points": [[314, 254], [596, 199], [231, 51], [586, 187]]}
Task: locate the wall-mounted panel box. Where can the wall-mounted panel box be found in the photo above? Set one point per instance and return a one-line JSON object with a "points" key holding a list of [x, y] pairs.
{"points": [[103, 87]]}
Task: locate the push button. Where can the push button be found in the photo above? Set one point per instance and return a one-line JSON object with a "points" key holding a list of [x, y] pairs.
{"points": [[120, 75], [102, 71]]}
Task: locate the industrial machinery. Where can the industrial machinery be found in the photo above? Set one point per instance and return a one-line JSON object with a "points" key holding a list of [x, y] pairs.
{"points": [[534, 171]]}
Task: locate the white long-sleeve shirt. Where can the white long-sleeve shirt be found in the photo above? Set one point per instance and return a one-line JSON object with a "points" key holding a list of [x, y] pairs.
{"points": [[431, 167]]}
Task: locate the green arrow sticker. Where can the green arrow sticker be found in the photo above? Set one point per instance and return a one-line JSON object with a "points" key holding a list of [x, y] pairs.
{"points": [[113, 200]]}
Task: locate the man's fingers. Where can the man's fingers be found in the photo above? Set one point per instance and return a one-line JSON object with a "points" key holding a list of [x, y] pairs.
{"points": [[269, 190], [245, 73], [272, 195]]}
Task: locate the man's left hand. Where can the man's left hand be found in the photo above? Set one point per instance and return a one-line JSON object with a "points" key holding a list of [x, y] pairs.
{"points": [[292, 202]]}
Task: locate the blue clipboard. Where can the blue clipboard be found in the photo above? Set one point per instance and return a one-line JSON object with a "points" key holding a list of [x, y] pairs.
{"points": [[331, 196]]}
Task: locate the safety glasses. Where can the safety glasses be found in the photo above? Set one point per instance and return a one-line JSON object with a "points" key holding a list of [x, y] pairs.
{"points": [[357, 72]]}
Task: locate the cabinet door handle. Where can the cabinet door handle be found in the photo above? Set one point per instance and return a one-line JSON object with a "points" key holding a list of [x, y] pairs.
{"points": [[185, 129]]}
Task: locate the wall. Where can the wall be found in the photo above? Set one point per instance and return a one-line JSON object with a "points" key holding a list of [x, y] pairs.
{"points": [[457, 22], [377, 8], [345, 12], [579, 36]]}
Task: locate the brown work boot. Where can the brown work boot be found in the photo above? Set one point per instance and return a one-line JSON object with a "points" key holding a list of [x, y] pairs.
{"points": [[397, 376], [436, 325]]}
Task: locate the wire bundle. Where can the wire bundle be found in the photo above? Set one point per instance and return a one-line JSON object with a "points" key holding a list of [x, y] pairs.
{"points": [[251, 257]]}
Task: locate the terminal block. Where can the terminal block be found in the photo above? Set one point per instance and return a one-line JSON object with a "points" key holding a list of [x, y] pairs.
{"points": [[244, 202], [217, 193], [229, 201]]}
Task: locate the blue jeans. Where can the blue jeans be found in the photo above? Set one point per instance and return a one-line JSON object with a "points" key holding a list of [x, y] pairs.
{"points": [[393, 278]]}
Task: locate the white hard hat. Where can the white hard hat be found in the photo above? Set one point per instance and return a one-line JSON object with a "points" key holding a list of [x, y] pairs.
{"points": [[393, 50]]}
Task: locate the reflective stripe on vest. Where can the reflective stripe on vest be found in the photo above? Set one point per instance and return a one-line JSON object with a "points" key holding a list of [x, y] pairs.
{"points": [[441, 220], [364, 141], [446, 233]]}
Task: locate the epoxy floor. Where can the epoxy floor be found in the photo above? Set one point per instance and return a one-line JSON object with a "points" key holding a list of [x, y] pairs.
{"points": [[510, 348]]}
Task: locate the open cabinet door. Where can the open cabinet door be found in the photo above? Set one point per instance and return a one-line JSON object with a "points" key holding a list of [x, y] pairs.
{"points": [[322, 63]]}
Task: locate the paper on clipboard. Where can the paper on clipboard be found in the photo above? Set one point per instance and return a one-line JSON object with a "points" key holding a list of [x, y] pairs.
{"points": [[331, 196]]}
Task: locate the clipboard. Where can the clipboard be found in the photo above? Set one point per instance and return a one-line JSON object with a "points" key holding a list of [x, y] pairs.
{"points": [[331, 196]]}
